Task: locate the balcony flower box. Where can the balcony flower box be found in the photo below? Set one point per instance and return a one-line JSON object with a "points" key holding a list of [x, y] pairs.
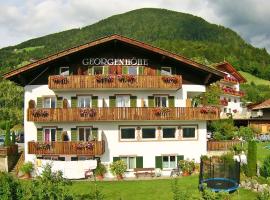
{"points": [[88, 112], [43, 146], [40, 113], [126, 78], [224, 102], [60, 79], [208, 109], [85, 145], [170, 79], [100, 78], [161, 111], [234, 110]]}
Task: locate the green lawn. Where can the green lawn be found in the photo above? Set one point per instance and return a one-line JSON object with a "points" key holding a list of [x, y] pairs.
{"points": [[262, 152], [148, 189], [256, 80]]}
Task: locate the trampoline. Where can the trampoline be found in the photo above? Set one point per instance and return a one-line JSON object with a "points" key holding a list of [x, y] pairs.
{"points": [[219, 175]]}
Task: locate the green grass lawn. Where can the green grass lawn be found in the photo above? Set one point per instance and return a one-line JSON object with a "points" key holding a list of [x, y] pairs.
{"points": [[256, 80], [149, 189], [262, 152]]}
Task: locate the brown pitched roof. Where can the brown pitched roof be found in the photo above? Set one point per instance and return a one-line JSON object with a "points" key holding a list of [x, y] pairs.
{"points": [[227, 67], [265, 104], [107, 39]]}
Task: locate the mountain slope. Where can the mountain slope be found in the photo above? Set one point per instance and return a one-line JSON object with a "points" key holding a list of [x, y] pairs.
{"points": [[177, 32]]}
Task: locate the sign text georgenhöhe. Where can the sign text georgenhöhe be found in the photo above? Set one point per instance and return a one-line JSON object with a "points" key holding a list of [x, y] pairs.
{"points": [[115, 61]]}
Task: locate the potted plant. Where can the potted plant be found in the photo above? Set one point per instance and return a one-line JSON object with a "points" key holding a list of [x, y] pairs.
{"points": [[187, 167], [100, 171], [26, 169], [118, 168]]}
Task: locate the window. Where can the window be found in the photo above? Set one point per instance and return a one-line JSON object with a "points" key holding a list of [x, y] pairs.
{"points": [[133, 70], [84, 101], [122, 101], [98, 70], [169, 162], [166, 71], [49, 134], [130, 161], [229, 99], [168, 132], [148, 133], [85, 134], [189, 132], [127, 133], [235, 100], [64, 71], [49, 102], [161, 101], [225, 110]]}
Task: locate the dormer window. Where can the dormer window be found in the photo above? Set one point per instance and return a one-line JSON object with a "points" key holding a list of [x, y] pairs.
{"points": [[64, 71], [166, 71]]}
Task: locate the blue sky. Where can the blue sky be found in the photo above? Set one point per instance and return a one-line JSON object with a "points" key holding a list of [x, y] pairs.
{"points": [[22, 20]]}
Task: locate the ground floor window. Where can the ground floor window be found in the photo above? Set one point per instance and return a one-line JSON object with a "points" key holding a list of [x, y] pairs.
{"points": [[130, 162], [168, 132], [169, 162], [127, 133], [189, 132], [148, 133]]}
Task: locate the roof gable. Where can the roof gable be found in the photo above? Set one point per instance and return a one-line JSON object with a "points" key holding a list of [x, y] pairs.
{"points": [[227, 67], [103, 40]]}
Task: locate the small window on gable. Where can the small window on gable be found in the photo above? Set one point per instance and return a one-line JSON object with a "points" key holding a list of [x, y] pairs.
{"points": [[97, 70], [64, 71], [166, 71], [133, 70]]}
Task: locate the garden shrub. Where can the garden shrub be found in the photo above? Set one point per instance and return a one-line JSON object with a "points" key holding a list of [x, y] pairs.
{"points": [[7, 141], [246, 133], [223, 129], [265, 168], [252, 159], [10, 187]]}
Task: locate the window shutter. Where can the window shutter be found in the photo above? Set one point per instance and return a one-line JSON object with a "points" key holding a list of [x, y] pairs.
{"points": [[74, 103], [112, 100], [139, 162], [116, 159], [171, 102], [106, 69], [159, 162], [74, 134], [90, 70], [151, 101], [59, 134], [94, 101], [59, 103], [133, 101], [141, 70], [125, 70], [40, 135], [39, 102], [158, 71], [95, 133]]}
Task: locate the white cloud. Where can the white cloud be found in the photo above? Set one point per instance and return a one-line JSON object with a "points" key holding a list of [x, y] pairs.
{"points": [[23, 20]]}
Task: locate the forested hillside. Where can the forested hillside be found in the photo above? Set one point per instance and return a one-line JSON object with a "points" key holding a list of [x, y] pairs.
{"points": [[181, 33]]}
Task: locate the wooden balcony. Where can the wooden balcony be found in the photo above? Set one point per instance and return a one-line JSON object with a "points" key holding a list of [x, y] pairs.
{"points": [[225, 145], [122, 82], [121, 114], [93, 148]]}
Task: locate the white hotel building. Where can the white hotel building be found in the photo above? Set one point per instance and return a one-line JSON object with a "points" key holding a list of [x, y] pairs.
{"points": [[115, 98]]}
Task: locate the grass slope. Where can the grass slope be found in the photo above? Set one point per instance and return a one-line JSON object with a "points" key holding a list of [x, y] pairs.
{"points": [[251, 78], [149, 189]]}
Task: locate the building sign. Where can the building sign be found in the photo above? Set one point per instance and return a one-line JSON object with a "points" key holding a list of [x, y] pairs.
{"points": [[115, 61]]}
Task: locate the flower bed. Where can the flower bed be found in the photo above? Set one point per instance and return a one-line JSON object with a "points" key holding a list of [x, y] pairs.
{"points": [[40, 113], [208, 109], [101, 78], [88, 112], [85, 145], [60, 79], [126, 78], [230, 79]]}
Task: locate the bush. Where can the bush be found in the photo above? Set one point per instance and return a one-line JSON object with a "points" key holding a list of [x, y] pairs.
{"points": [[100, 170], [252, 159], [246, 133], [118, 167], [187, 166], [27, 167], [264, 195], [265, 169], [208, 194], [223, 129], [7, 141], [10, 187]]}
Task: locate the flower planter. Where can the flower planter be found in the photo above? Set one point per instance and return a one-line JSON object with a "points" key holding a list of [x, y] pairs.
{"points": [[119, 177], [100, 177], [185, 173]]}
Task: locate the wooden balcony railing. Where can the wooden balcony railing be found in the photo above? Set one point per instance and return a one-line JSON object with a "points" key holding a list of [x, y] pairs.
{"points": [[121, 114], [9, 150], [114, 81], [93, 148], [221, 145]]}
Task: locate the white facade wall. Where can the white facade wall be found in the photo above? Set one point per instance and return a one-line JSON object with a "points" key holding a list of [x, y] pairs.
{"points": [[109, 131]]}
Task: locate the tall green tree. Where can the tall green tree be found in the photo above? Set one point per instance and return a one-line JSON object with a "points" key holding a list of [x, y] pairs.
{"points": [[252, 159]]}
